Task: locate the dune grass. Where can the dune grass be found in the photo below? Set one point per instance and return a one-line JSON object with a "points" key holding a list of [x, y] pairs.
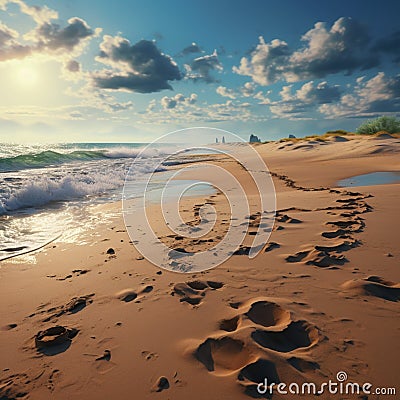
{"points": [[381, 124]]}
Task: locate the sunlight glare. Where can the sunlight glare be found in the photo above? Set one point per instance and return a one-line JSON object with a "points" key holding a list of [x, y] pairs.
{"points": [[27, 75]]}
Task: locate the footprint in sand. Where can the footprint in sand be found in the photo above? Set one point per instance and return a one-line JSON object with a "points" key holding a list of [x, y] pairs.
{"points": [[19, 385], [54, 340], [339, 233], [255, 345], [286, 219], [230, 324], [105, 357], [344, 245], [149, 356], [253, 374], [193, 292], [268, 314], [128, 295], [79, 272], [8, 327], [271, 246], [356, 225], [75, 272], [161, 384], [299, 256], [245, 250], [224, 353], [319, 258], [321, 255], [75, 305], [103, 363], [299, 334], [373, 286]]}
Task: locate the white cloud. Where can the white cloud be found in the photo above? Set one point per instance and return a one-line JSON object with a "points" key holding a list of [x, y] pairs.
{"points": [[263, 97], [341, 49], [302, 102], [225, 92], [248, 89], [179, 99], [10, 48], [376, 96], [265, 64], [39, 14], [47, 38]]}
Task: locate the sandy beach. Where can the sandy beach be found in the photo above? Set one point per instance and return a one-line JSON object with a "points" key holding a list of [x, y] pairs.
{"points": [[321, 297]]}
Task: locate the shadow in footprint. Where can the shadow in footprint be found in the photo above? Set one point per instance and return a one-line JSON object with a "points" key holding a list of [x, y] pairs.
{"points": [[303, 365], [193, 292], [271, 246], [229, 325], [225, 352], [335, 234], [298, 334], [258, 372], [54, 340], [129, 297], [297, 257], [268, 314], [374, 286], [54, 350]]}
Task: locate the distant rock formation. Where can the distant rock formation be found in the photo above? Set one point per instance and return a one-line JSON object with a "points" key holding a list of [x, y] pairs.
{"points": [[254, 139], [292, 136]]}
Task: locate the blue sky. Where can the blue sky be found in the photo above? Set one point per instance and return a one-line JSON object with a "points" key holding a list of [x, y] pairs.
{"points": [[131, 71]]}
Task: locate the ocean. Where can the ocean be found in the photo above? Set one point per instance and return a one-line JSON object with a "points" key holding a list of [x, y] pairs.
{"points": [[46, 191]]}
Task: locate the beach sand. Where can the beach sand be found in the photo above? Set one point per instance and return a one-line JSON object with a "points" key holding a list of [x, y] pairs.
{"points": [[322, 296]]}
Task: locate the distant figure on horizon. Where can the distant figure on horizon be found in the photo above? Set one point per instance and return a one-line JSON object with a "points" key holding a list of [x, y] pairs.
{"points": [[216, 140], [223, 139]]}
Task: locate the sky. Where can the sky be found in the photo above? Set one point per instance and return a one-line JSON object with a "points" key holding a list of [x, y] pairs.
{"points": [[131, 70]]}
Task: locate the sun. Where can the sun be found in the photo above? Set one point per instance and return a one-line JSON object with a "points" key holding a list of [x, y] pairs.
{"points": [[27, 75]]}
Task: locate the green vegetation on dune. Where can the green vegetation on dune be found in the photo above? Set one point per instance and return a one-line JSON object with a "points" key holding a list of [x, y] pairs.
{"points": [[381, 124]]}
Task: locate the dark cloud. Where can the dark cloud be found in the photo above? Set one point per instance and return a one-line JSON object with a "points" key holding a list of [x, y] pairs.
{"points": [[319, 94], [141, 67], [389, 45], [76, 115], [9, 46], [51, 36], [73, 66], [343, 48], [47, 37], [201, 68], [191, 49], [116, 107]]}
